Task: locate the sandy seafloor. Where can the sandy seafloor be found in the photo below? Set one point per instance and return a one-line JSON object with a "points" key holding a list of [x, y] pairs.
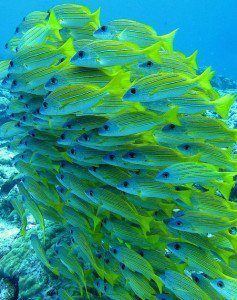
{"points": [[22, 276]]}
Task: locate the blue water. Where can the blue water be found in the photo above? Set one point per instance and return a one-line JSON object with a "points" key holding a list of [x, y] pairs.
{"points": [[206, 25]]}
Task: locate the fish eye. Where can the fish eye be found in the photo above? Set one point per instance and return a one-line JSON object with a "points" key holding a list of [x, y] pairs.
{"points": [[141, 252], [172, 126], [115, 251], [196, 279], [73, 151], [69, 126], [12, 115], [26, 105], [97, 283], [106, 127], [105, 288], [233, 230], [18, 124], [186, 146], [133, 91], [63, 136], [33, 134], [104, 28], [93, 169], [37, 111], [177, 246], [45, 104], [106, 260], [166, 174], [220, 284], [179, 223], [17, 49], [104, 221], [132, 154], [14, 82], [23, 20], [61, 60], [85, 137], [123, 266], [21, 97], [81, 54], [125, 184], [99, 255], [53, 80], [149, 63], [61, 176], [111, 156], [6, 45], [62, 164], [49, 92], [26, 143], [17, 30], [73, 240], [61, 190], [11, 63]]}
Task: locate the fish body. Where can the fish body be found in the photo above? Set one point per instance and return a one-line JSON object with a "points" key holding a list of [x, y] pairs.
{"points": [[225, 287]]}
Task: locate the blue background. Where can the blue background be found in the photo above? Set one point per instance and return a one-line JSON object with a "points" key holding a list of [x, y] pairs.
{"points": [[207, 25]]}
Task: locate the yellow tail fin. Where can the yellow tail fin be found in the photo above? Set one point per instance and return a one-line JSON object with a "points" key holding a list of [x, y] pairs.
{"points": [[223, 105]]}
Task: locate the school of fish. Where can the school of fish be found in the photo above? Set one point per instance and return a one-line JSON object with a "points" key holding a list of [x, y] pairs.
{"points": [[112, 142]]}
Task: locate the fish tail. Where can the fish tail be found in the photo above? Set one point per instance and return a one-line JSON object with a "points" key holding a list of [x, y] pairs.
{"points": [[192, 59], [225, 188], [167, 40], [54, 25], [122, 79], [223, 105], [67, 48], [153, 52], [158, 282], [145, 224], [96, 222], [204, 79], [96, 17], [172, 116]]}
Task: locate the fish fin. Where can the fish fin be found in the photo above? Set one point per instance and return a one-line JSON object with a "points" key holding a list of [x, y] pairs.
{"points": [[111, 71], [172, 116], [192, 59], [68, 48], [96, 221], [121, 80], [167, 40], [223, 105], [54, 25], [96, 17], [225, 189], [204, 79], [145, 223], [158, 282], [152, 52]]}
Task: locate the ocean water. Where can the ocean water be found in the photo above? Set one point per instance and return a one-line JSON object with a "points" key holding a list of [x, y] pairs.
{"points": [[206, 25]]}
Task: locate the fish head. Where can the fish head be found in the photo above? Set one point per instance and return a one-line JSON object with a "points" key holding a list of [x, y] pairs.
{"points": [[148, 65], [110, 158], [187, 149], [126, 186], [52, 83], [114, 250], [90, 192], [105, 32], [134, 156], [61, 190], [224, 287], [134, 93], [166, 176], [179, 224], [60, 177], [174, 247], [172, 129], [85, 57], [108, 129]]}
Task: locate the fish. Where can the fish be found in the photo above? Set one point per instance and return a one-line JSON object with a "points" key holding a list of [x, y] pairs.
{"points": [[156, 87], [192, 172], [135, 32], [135, 122], [197, 258], [154, 156], [225, 287], [40, 252], [110, 53], [209, 153], [119, 205], [74, 15], [136, 263], [138, 283], [182, 286], [199, 222]]}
